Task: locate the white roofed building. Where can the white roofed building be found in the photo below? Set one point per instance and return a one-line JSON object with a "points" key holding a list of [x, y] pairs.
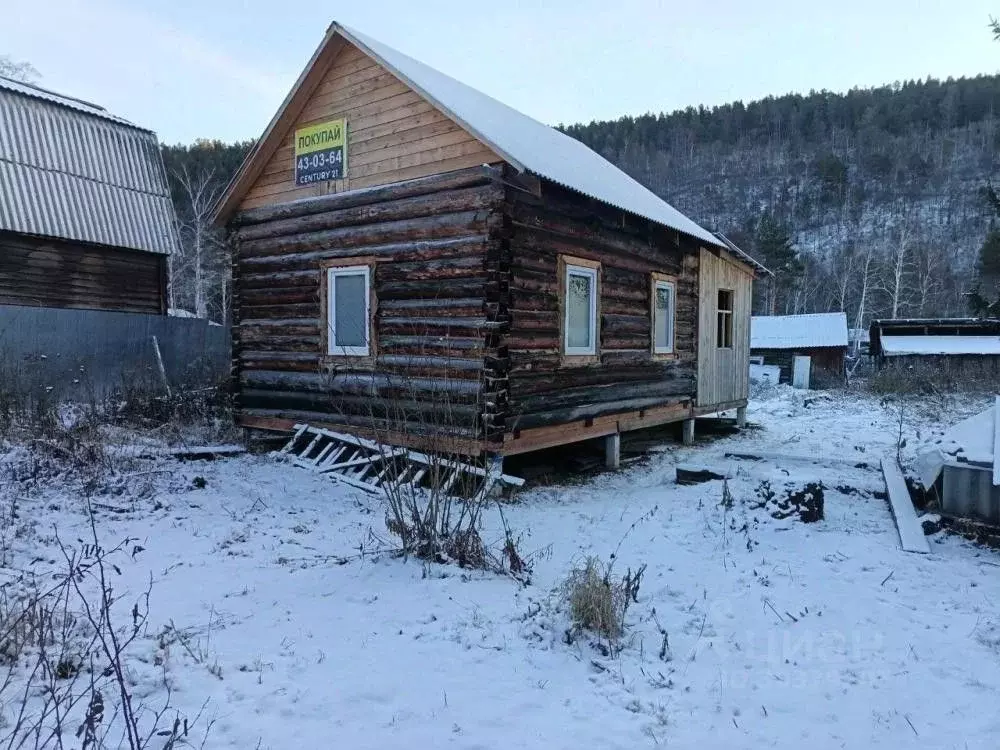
{"points": [[957, 348], [823, 337]]}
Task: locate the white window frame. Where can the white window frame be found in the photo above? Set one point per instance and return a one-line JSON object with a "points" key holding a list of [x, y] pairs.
{"points": [[590, 273], [331, 312], [671, 316]]}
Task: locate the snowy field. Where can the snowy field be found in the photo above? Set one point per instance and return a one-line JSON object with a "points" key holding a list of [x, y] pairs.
{"points": [[779, 633]]}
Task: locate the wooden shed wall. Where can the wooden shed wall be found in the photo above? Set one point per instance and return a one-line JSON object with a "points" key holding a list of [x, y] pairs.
{"points": [[44, 272], [545, 387], [430, 242], [823, 359], [723, 373], [393, 133]]}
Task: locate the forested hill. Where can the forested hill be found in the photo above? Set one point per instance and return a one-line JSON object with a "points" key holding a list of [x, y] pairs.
{"points": [[880, 189], [869, 201]]}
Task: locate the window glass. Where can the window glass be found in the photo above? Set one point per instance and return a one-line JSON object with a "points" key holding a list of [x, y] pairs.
{"points": [[724, 319], [663, 317], [350, 309], [579, 307]]}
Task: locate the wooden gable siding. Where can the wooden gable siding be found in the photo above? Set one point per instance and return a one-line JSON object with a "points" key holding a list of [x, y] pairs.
{"points": [[427, 242], [723, 373], [393, 134], [43, 272], [546, 388]]}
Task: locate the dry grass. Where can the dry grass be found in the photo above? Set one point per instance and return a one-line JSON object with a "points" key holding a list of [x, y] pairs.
{"points": [[597, 601]]}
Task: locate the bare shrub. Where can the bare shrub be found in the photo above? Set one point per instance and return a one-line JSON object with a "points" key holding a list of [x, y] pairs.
{"points": [[65, 635], [435, 406], [935, 375]]}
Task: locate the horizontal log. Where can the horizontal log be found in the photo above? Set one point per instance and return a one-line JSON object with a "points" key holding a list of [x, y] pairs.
{"points": [[431, 344], [397, 306], [358, 383], [433, 289], [433, 412], [432, 270], [421, 186], [261, 338], [588, 411], [612, 325], [596, 394], [431, 204], [390, 431], [426, 250], [407, 230], [440, 363]]}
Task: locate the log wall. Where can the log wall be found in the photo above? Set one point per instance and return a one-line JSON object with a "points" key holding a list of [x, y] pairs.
{"points": [[432, 244], [547, 388], [43, 272]]}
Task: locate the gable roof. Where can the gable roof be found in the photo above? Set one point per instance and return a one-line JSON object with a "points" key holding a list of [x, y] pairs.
{"points": [[798, 331], [524, 143], [73, 171]]}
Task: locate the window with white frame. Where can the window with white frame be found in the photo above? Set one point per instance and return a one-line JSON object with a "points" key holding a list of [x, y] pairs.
{"points": [[348, 314], [664, 301], [580, 314]]}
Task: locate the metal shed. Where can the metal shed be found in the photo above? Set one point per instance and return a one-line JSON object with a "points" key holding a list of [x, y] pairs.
{"points": [[964, 467]]}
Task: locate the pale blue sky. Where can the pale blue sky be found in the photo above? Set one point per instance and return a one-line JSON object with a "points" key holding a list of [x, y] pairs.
{"points": [[219, 68]]}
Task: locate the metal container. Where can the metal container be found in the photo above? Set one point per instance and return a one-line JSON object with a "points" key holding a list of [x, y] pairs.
{"points": [[967, 492]]}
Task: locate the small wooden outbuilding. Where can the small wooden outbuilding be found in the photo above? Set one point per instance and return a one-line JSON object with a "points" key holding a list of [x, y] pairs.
{"points": [[957, 347], [86, 219], [778, 339], [415, 260]]}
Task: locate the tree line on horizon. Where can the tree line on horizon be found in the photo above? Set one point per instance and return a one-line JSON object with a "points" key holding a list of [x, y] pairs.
{"points": [[877, 202]]}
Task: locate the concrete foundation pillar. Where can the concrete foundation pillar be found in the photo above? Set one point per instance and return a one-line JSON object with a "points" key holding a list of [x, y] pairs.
{"points": [[613, 451], [741, 417], [688, 434]]}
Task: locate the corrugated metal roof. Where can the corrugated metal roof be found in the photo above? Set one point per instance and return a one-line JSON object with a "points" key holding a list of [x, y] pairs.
{"points": [[73, 171], [798, 331], [525, 143]]}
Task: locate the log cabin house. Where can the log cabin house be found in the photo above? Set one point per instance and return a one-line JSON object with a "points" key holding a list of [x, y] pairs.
{"points": [[415, 260], [86, 219]]}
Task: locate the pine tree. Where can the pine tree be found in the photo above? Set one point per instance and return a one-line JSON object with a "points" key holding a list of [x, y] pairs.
{"points": [[775, 249]]}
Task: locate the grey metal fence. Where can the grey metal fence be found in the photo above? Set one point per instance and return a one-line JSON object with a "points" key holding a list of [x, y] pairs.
{"points": [[80, 354]]}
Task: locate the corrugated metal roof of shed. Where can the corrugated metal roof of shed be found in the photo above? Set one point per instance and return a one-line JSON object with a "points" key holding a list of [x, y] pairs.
{"points": [[73, 171], [814, 330]]}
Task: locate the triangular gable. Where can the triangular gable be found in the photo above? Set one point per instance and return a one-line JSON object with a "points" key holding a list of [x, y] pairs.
{"points": [[393, 132], [508, 135]]}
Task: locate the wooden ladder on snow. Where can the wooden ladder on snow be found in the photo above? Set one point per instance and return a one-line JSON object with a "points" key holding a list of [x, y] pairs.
{"points": [[373, 467]]}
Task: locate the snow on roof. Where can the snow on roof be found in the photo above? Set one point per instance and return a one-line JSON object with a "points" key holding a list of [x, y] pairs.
{"points": [[30, 89], [798, 331], [969, 441], [527, 144], [895, 346]]}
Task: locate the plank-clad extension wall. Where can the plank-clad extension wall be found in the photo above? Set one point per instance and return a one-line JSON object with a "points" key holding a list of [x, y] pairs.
{"points": [[393, 134], [723, 373], [52, 273], [428, 242], [547, 388]]}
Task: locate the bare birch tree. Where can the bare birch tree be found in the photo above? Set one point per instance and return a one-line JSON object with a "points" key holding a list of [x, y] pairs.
{"points": [[18, 70], [198, 262]]}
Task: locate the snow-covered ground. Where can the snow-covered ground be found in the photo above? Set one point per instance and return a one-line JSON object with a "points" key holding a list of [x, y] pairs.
{"points": [[780, 634]]}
